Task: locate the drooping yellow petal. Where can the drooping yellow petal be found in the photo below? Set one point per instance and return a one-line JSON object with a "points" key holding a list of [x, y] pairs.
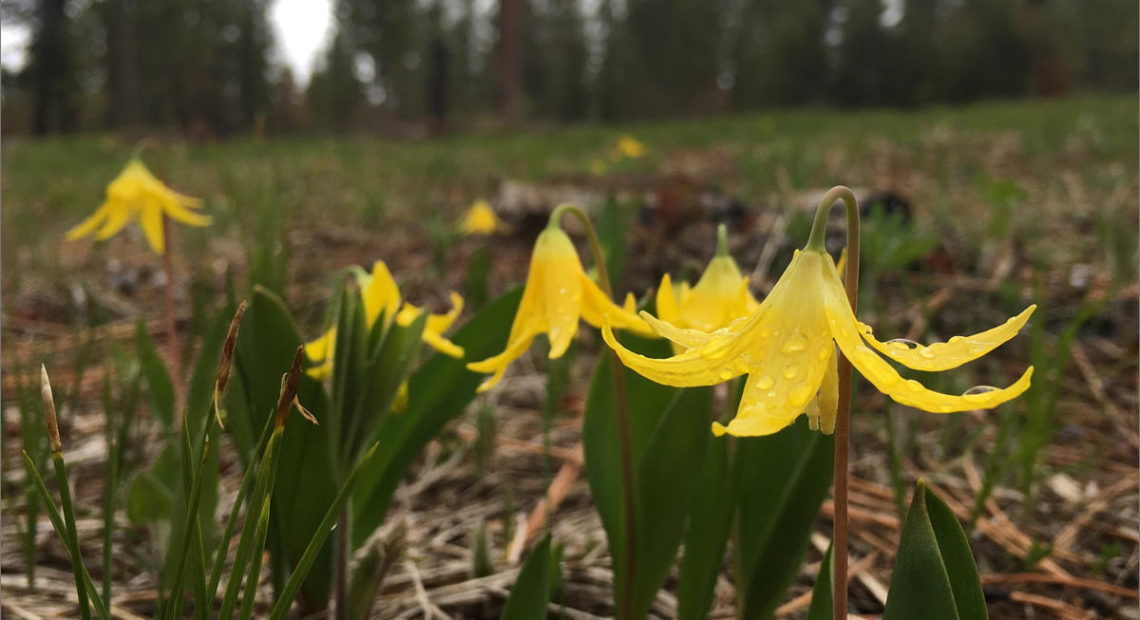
{"points": [[718, 361], [828, 400], [597, 310], [498, 363], [687, 338], [321, 348], [150, 219], [845, 329], [666, 300], [435, 325], [380, 293], [176, 209], [88, 226], [562, 297], [946, 355], [118, 217], [720, 296], [790, 355], [440, 323]]}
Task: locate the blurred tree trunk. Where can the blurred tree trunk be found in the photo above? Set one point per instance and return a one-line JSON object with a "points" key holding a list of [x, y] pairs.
{"points": [[510, 57], [125, 110], [52, 70]]}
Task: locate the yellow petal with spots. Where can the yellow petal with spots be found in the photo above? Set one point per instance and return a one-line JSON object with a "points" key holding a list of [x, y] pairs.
{"points": [[845, 330], [562, 295], [947, 355], [711, 364]]}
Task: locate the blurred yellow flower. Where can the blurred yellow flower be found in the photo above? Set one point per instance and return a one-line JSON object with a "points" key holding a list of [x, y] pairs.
{"points": [[720, 296], [137, 195], [557, 294], [787, 349], [630, 147], [480, 219], [381, 297]]}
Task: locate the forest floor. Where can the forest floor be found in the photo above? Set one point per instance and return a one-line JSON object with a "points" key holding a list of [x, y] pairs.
{"points": [[995, 206]]}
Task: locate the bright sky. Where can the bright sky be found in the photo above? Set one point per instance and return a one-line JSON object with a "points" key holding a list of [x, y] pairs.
{"points": [[303, 28]]}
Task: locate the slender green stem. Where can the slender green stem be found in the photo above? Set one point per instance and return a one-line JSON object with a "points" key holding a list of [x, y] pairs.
{"points": [[243, 491], [171, 322], [61, 530], [625, 601], [843, 416]]}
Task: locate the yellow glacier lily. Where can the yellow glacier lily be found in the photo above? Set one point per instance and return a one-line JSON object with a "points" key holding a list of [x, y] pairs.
{"points": [[787, 349], [480, 219], [557, 294], [720, 296], [381, 297], [629, 147], [136, 194]]}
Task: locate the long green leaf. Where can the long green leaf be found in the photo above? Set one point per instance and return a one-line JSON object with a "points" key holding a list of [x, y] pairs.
{"points": [[531, 592], [934, 575], [285, 599], [710, 521], [437, 392], [782, 481], [821, 600], [160, 390]]}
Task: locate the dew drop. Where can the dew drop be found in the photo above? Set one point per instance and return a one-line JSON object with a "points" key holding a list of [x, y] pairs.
{"points": [[913, 385], [725, 374], [794, 344], [903, 343], [790, 372], [765, 382], [926, 352], [956, 339], [979, 389]]}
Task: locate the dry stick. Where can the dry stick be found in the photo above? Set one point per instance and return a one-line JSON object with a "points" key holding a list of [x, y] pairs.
{"points": [[843, 415]]}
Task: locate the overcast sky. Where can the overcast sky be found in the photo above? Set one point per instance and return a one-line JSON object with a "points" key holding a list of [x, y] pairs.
{"points": [[303, 27]]}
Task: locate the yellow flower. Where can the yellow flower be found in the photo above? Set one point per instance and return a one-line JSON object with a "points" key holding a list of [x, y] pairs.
{"points": [[137, 195], [381, 296], [787, 349], [720, 296], [630, 147], [557, 293], [480, 219]]}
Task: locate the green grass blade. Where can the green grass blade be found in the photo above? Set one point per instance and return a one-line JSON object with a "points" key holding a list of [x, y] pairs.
{"points": [[285, 598], [245, 544], [246, 485], [72, 534], [254, 577], [61, 530]]}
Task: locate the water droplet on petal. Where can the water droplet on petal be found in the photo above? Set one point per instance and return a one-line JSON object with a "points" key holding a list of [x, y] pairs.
{"points": [[824, 352], [725, 374], [926, 352], [903, 343], [979, 389], [794, 344], [914, 386], [764, 382], [956, 339], [790, 371]]}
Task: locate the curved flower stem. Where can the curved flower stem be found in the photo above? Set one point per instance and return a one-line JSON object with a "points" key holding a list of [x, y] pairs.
{"points": [[843, 416], [625, 602], [171, 321]]}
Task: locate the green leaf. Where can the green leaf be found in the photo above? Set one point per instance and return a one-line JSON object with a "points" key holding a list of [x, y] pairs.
{"points": [[531, 592], [437, 392], [152, 492], [782, 480], [934, 575], [265, 348], [821, 601], [160, 391], [669, 432], [667, 479], [710, 521]]}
